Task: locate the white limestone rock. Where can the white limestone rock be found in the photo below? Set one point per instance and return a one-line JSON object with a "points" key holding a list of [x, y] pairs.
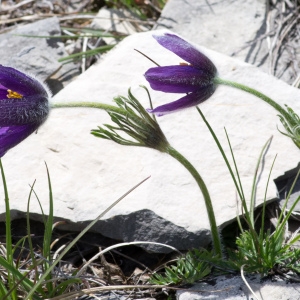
{"points": [[89, 173]]}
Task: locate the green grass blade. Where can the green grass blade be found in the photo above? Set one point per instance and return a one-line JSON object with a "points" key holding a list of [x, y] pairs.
{"points": [[265, 197], [66, 36], [238, 186], [26, 283], [97, 50], [31, 251], [60, 288], [297, 236], [41, 207], [281, 228], [3, 290], [8, 238], [288, 214], [288, 197], [254, 182], [65, 251], [48, 234]]}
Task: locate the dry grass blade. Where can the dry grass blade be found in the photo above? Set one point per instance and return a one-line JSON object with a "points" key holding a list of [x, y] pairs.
{"points": [[26, 18], [283, 17], [250, 43], [280, 55], [279, 43], [121, 245], [83, 292], [74, 295], [14, 7], [87, 16], [296, 83], [70, 17], [247, 284]]}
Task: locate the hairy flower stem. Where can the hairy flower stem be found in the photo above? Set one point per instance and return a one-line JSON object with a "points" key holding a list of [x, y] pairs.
{"points": [[209, 207], [258, 94], [175, 154], [98, 105]]}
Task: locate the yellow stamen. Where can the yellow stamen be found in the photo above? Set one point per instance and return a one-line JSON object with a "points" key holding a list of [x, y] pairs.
{"points": [[184, 64], [12, 94]]}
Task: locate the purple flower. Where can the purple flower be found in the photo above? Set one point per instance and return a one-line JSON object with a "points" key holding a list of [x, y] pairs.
{"points": [[196, 78], [24, 106]]}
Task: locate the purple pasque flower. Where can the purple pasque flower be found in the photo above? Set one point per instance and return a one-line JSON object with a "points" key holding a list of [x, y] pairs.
{"points": [[196, 79], [24, 106]]}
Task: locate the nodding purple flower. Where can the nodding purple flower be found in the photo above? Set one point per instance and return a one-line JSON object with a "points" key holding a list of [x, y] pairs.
{"points": [[24, 106], [196, 78]]}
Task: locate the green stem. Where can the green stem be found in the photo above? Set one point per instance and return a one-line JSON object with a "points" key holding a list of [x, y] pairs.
{"points": [[256, 93], [9, 248], [210, 211], [98, 105], [178, 157]]}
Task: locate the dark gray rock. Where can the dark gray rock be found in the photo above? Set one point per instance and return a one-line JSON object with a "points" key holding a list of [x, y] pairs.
{"points": [[289, 184], [37, 56], [141, 225], [145, 225]]}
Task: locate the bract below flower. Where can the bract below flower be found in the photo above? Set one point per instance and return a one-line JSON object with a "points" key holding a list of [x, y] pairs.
{"points": [[196, 78], [24, 106]]}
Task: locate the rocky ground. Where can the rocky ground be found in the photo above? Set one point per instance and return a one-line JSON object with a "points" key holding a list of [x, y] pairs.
{"points": [[264, 35]]}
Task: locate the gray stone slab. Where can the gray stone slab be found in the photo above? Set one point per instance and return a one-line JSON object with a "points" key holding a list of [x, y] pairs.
{"points": [[234, 288], [224, 26], [146, 225], [249, 30], [37, 56], [88, 174], [29, 53]]}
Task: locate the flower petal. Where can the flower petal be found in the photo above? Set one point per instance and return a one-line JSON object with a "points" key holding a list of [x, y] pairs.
{"points": [[21, 83], [3, 92], [13, 135], [187, 52], [26, 110], [189, 100], [177, 79]]}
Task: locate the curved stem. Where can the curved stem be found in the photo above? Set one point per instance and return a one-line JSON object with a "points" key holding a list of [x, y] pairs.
{"points": [[211, 216], [256, 93], [210, 211], [98, 105]]}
